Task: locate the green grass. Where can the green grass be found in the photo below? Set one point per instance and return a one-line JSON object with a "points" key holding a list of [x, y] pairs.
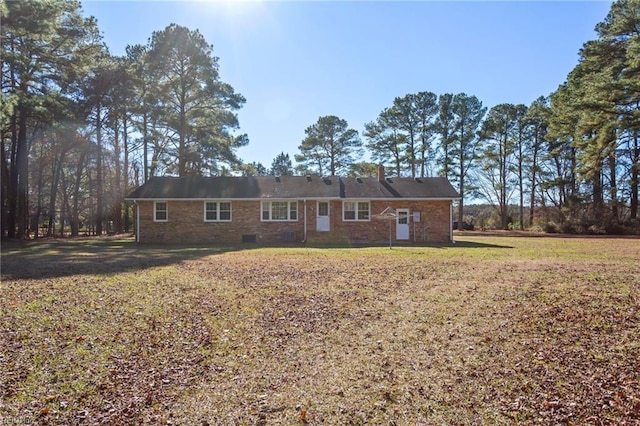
{"points": [[490, 330]]}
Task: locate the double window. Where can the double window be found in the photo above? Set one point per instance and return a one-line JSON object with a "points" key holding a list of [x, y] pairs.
{"points": [[217, 211], [279, 211], [356, 210], [160, 211]]}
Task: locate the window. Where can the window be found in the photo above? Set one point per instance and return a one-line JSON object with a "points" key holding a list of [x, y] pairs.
{"points": [[160, 211], [352, 210], [323, 209], [217, 211], [279, 210]]}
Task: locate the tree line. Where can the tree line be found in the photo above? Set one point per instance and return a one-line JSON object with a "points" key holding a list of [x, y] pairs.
{"points": [[81, 128]]}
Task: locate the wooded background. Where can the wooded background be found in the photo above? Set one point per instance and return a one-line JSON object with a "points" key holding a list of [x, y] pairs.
{"points": [[81, 128]]}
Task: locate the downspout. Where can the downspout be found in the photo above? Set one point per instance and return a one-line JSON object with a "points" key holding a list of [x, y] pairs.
{"points": [[451, 223], [304, 240]]}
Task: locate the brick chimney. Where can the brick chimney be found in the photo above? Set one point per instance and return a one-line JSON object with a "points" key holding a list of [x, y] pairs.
{"points": [[380, 172]]}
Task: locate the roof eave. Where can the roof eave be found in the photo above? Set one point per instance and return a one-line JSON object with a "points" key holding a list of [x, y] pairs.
{"points": [[295, 198], [229, 199]]}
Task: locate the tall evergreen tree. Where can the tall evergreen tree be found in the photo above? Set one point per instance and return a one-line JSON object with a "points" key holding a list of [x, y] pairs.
{"points": [[363, 169], [502, 133], [427, 110], [141, 107], [46, 47], [385, 141], [253, 169], [329, 147], [408, 119], [522, 157], [536, 122], [467, 116], [195, 106], [607, 97], [562, 188], [281, 165], [444, 127]]}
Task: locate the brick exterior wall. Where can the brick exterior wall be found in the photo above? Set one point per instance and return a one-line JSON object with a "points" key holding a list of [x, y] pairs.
{"points": [[186, 224]]}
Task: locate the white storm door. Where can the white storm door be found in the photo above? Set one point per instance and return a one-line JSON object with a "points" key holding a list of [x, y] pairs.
{"points": [[402, 224], [322, 218]]}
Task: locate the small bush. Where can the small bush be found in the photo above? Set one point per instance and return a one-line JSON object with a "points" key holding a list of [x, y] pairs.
{"points": [[569, 227], [537, 228], [596, 229], [615, 227]]}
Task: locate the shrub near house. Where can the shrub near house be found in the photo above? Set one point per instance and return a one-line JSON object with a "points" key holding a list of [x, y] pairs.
{"points": [[231, 210]]}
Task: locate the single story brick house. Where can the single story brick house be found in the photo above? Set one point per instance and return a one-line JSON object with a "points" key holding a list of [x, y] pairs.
{"points": [[272, 209]]}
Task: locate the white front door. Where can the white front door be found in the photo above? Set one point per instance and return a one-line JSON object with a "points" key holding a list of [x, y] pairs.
{"points": [[402, 224], [322, 218]]}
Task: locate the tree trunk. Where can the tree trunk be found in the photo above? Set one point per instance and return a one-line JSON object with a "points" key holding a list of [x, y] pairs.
{"points": [[39, 205], [412, 154], [573, 172], [461, 205], [5, 178], [18, 201], [99, 189], [598, 197], [182, 149], [75, 214], [125, 140], [521, 180], [503, 182], [117, 201], [65, 202], [52, 196], [12, 190], [534, 182], [613, 185], [635, 172], [145, 144]]}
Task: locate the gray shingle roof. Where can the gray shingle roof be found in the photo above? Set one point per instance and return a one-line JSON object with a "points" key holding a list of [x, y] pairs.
{"points": [[298, 187], [433, 187]]}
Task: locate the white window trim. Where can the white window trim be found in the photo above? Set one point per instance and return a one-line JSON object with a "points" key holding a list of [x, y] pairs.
{"points": [[344, 202], [155, 211], [217, 211], [288, 219]]}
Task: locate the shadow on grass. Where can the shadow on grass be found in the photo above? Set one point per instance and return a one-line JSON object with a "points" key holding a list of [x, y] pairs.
{"points": [[63, 258], [400, 245], [475, 244]]}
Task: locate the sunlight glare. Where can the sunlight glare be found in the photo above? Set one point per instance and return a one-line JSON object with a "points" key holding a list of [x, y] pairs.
{"points": [[230, 9]]}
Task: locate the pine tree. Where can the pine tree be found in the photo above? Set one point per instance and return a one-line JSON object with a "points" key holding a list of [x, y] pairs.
{"points": [[281, 165], [46, 48], [329, 147], [193, 102]]}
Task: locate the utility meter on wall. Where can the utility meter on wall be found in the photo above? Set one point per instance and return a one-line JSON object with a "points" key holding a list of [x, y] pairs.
{"points": [[416, 216]]}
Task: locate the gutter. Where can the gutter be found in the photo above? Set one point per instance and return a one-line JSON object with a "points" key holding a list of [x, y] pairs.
{"points": [[451, 223]]}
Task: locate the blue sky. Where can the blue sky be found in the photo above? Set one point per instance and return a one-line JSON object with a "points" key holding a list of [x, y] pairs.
{"points": [[295, 61]]}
